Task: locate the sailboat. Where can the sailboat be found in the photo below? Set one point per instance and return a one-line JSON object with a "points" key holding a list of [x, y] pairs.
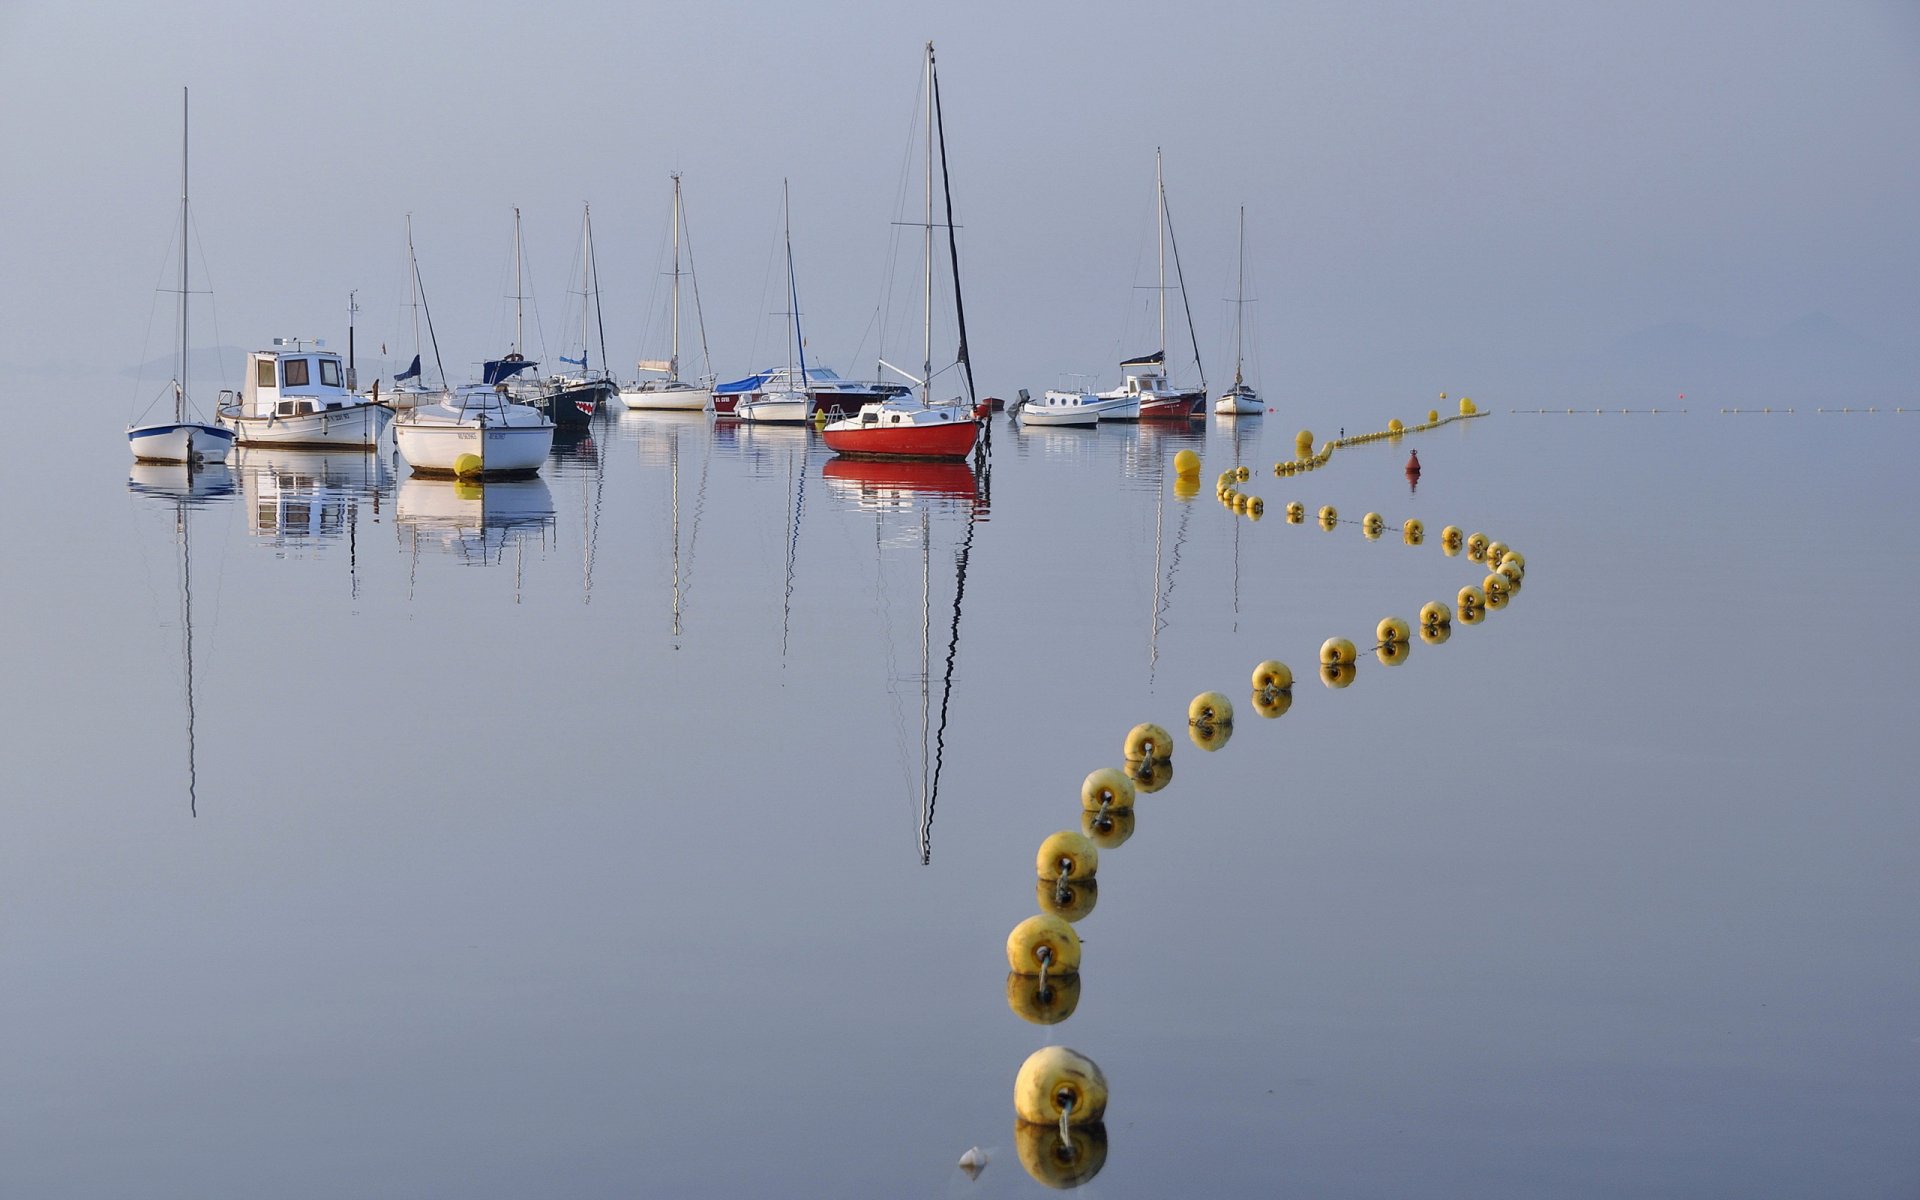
{"points": [[786, 400], [1240, 399], [180, 440], [670, 392], [572, 398], [410, 386], [899, 427], [1146, 374]]}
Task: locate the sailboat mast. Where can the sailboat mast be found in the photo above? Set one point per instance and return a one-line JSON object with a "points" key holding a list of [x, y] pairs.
{"points": [[600, 320], [180, 386], [793, 290], [673, 360], [517, 296], [1240, 304], [926, 358], [1160, 249]]}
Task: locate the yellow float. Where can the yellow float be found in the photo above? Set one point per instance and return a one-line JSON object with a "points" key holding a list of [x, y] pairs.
{"points": [[1066, 854], [1057, 1085], [1107, 787], [1043, 945]]}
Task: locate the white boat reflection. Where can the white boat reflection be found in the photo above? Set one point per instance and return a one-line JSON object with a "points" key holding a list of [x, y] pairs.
{"points": [[191, 485], [472, 520], [297, 497]]}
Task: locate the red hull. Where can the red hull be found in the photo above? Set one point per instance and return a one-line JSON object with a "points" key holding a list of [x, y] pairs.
{"points": [[1185, 406], [953, 440]]}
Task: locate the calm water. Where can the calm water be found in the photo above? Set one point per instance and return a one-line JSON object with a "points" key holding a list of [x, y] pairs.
{"points": [[655, 827]]}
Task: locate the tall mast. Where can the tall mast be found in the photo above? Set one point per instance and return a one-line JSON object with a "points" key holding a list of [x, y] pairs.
{"points": [[1240, 305], [673, 360], [1160, 248], [180, 388], [517, 297], [926, 357]]}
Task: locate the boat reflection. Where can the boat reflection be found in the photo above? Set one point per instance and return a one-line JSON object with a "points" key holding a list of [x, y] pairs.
{"points": [[891, 484], [472, 521], [192, 487], [294, 497]]}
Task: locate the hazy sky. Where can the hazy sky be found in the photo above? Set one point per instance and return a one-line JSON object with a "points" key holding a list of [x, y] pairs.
{"points": [[1527, 201]]}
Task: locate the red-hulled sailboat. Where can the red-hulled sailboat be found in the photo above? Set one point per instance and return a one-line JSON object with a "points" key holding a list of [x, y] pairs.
{"points": [[916, 427]]}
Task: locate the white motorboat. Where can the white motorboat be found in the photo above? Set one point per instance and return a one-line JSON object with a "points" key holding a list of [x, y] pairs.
{"points": [[670, 392], [182, 439], [297, 398], [1240, 400], [1058, 406], [476, 432]]}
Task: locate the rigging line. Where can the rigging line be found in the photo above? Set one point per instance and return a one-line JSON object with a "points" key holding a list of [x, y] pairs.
{"points": [[599, 317], [965, 355], [1181, 279], [698, 316]]}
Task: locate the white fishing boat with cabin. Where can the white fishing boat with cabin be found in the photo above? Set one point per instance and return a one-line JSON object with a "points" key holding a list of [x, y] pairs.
{"points": [[297, 396]]}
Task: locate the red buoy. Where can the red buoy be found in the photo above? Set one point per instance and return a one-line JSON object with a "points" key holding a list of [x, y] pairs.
{"points": [[1413, 463]]}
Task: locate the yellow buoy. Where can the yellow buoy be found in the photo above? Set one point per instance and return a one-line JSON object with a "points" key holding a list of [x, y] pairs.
{"points": [[1391, 629], [1494, 584], [1043, 943], [1415, 529], [1272, 675], [1056, 1082], [1511, 572], [1498, 600], [1186, 463], [1304, 439], [1068, 901], [1391, 654], [1107, 787], [1433, 415], [1336, 650], [466, 466], [1256, 507], [1466, 407], [1210, 708], [1394, 426], [1147, 740], [1451, 536], [1067, 852], [1495, 552], [1296, 512], [1043, 1002], [1111, 827], [1470, 597], [1435, 613], [1477, 546], [1433, 635], [1337, 675], [1242, 474], [1515, 558]]}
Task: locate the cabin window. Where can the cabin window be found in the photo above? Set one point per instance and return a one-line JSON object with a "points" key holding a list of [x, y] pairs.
{"points": [[294, 372], [263, 373], [284, 408], [330, 372], [306, 406]]}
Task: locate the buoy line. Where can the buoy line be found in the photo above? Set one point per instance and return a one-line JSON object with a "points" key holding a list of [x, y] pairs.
{"points": [[1060, 1095]]}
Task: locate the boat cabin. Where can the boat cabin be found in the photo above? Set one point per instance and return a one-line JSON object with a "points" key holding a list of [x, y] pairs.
{"points": [[1146, 375], [296, 382]]}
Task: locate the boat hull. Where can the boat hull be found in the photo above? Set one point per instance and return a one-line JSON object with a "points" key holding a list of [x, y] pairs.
{"points": [[776, 408], [180, 442], [356, 426], [570, 404], [670, 398], [1183, 406], [1243, 402], [436, 448], [946, 440]]}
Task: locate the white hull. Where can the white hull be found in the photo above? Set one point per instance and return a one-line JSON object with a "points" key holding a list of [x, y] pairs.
{"points": [[1075, 408], [1241, 402], [179, 442], [668, 398], [776, 408], [355, 426], [1031, 414], [435, 449]]}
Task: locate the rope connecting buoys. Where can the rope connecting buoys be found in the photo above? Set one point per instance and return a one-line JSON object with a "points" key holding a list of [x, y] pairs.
{"points": [[1107, 787], [1059, 1086], [1043, 945], [1067, 855], [1109, 828], [1337, 650]]}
